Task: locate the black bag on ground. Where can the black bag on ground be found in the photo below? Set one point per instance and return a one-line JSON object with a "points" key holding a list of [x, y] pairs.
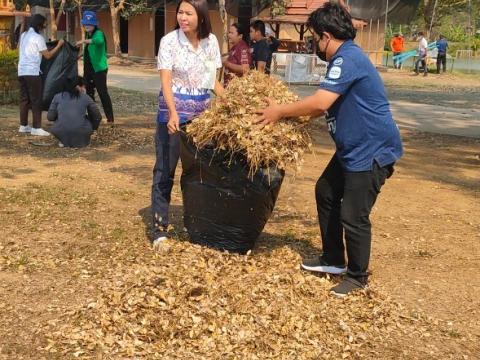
{"points": [[223, 207], [58, 70]]}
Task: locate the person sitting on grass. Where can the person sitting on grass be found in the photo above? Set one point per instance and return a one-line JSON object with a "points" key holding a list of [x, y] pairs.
{"points": [[75, 114]]}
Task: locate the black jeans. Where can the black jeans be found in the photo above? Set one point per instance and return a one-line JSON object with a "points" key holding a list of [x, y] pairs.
{"points": [[344, 202], [31, 92], [441, 60], [98, 80], [168, 152], [423, 60]]}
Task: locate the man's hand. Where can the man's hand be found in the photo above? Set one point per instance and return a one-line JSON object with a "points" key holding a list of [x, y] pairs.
{"points": [[173, 124], [269, 115], [60, 43], [78, 43]]}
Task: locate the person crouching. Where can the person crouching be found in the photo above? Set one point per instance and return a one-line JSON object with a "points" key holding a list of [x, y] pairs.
{"points": [[75, 114]]}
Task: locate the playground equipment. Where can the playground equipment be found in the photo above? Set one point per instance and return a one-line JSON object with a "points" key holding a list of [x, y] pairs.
{"points": [[408, 54]]}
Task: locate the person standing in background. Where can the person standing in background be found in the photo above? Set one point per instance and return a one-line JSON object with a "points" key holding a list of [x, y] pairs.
{"points": [[239, 58], [397, 45], [442, 46], [32, 47], [261, 53], [95, 65], [422, 55]]}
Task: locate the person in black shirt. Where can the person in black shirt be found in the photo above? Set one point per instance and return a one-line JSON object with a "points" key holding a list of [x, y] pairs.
{"points": [[261, 52]]}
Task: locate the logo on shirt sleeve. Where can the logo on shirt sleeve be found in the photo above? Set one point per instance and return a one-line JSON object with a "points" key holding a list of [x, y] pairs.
{"points": [[338, 61], [335, 72]]}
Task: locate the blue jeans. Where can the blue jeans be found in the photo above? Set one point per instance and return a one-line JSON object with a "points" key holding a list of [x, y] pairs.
{"points": [[168, 152], [423, 60]]}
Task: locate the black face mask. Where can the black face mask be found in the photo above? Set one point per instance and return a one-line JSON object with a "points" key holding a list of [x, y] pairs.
{"points": [[322, 54]]}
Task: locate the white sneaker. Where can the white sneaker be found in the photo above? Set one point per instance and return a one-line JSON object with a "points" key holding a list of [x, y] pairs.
{"points": [[60, 145], [39, 132], [158, 242], [24, 129]]}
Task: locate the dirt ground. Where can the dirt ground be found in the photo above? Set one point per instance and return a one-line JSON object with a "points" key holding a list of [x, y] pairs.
{"points": [[75, 223]]}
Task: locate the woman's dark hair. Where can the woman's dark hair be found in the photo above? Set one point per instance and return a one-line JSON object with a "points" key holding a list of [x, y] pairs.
{"points": [[71, 86], [240, 30], [38, 23], [258, 25], [333, 19], [201, 8]]}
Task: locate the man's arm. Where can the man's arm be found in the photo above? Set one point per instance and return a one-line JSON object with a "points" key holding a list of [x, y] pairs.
{"points": [[314, 105]]}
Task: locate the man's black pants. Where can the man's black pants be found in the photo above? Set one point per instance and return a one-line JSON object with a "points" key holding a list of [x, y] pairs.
{"points": [[441, 60], [344, 202], [98, 80]]}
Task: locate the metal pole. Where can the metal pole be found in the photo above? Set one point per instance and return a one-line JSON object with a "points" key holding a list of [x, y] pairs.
{"points": [[386, 16]]}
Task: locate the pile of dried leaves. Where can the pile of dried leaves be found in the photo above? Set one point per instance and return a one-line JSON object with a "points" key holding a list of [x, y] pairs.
{"points": [[197, 303], [230, 124], [108, 135]]}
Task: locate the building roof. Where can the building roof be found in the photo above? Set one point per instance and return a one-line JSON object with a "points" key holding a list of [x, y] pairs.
{"points": [[399, 11], [297, 12]]}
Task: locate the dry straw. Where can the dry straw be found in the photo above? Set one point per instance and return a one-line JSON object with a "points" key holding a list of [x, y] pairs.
{"points": [[230, 124]]}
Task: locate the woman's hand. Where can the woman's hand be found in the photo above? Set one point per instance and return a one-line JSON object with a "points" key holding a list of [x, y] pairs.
{"points": [[78, 43], [173, 124]]}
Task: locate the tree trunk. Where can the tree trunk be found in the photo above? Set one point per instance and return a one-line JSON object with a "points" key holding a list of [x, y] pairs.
{"points": [[115, 13], [79, 8], [53, 23], [115, 30]]}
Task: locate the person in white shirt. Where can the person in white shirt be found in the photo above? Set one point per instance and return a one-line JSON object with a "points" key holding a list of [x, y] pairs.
{"points": [[188, 59], [422, 55], [31, 49]]}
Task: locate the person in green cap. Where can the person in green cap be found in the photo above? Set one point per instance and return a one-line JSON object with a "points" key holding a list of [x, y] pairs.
{"points": [[95, 66]]}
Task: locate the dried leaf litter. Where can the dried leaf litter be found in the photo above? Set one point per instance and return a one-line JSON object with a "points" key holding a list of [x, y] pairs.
{"points": [[230, 124]]}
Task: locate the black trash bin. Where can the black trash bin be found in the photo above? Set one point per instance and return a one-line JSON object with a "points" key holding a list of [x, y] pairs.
{"points": [[224, 207]]}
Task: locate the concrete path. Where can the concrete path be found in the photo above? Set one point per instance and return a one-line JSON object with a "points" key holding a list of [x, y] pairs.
{"points": [[147, 81], [429, 118]]}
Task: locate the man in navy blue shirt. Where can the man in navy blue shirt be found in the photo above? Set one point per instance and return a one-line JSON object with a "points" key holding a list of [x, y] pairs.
{"points": [[352, 97], [442, 46], [261, 52]]}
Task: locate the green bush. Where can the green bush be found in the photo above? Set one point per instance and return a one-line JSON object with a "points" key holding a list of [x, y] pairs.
{"points": [[8, 77]]}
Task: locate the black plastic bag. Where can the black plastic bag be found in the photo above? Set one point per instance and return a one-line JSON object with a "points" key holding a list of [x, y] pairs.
{"points": [[223, 207], [58, 70]]}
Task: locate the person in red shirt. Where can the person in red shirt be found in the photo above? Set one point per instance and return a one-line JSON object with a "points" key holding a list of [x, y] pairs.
{"points": [[239, 58], [397, 44]]}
